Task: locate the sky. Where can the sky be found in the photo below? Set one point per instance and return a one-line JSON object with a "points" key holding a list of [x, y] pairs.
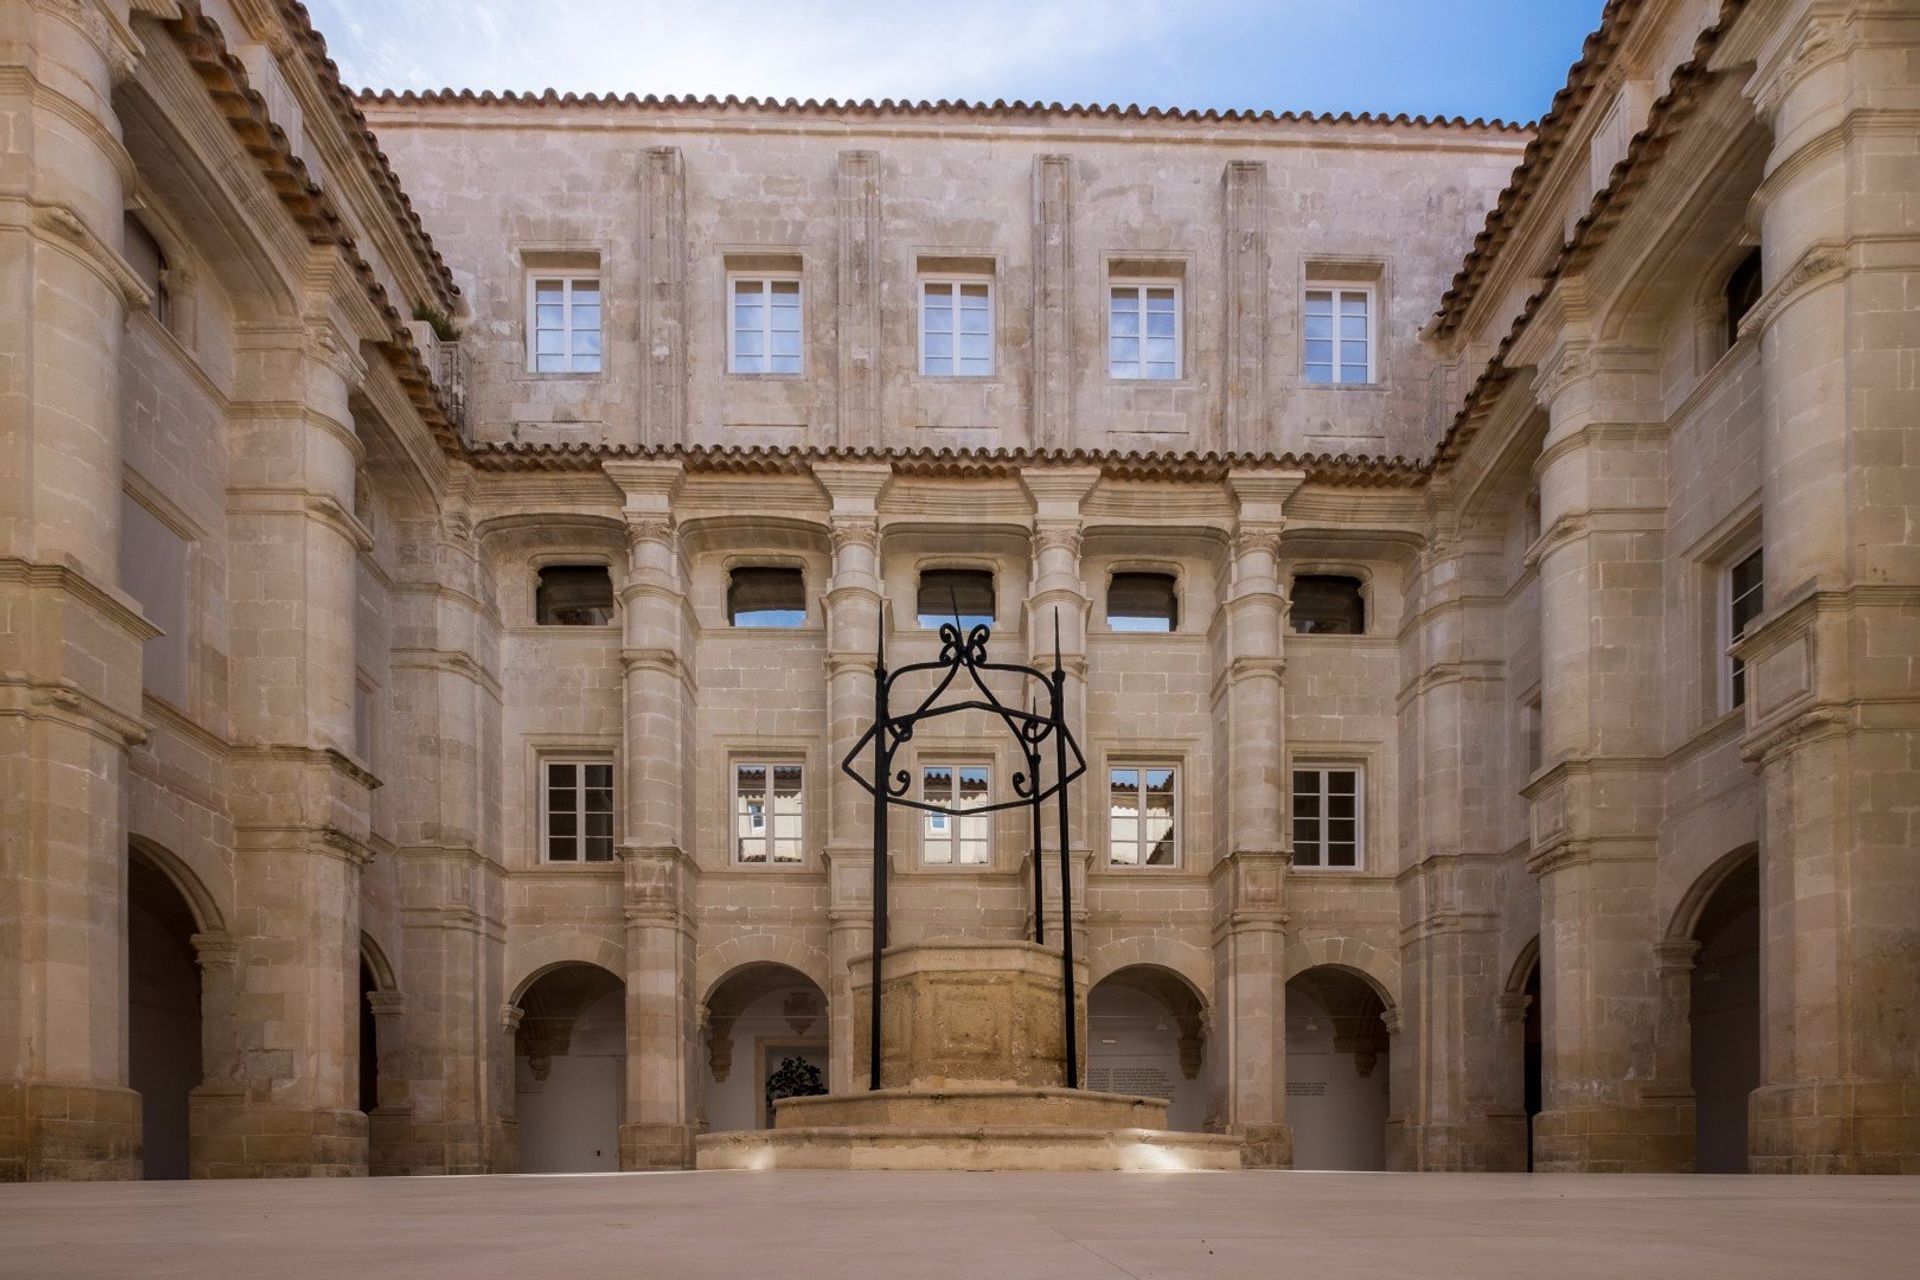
{"points": [[1491, 58]]}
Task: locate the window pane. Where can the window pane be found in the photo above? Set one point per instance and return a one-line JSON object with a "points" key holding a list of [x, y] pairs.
{"points": [[548, 342], [939, 346], [563, 824], [586, 292], [1159, 323], [973, 788], [1353, 304], [550, 364], [783, 364], [545, 291], [1318, 326], [936, 785], [976, 346], [586, 342], [1319, 373], [1158, 818], [1340, 782], [1319, 351], [1353, 373], [560, 849], [1319, 302], [549, 315], [785, 343], [786, 292]]}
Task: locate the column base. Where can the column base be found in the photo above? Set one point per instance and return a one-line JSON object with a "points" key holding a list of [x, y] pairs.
{"points": [[1266, 1146], [1835, 1126], [1653, 1137], [230, 1137], [1497, 1144], [397, 1144], [51, 1132], [656, 1146]]}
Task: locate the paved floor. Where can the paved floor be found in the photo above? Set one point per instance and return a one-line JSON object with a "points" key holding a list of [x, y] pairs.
{"points": [[931, 1226]]}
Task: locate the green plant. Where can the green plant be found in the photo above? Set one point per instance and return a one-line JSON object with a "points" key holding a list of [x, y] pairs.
{"points": [[443, 326]]}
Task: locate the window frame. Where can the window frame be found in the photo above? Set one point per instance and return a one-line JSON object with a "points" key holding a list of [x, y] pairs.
{"points": [[1140, 285], [568, 279], [577, 760], [1731, 669], [805, 611], [1336, 288], [1363, 589], [768, 762], [957, 281], [1324, 766], [767, 279], [540, 567], [1174, 585], [967, 620], [1142, 765], [954, 764]]}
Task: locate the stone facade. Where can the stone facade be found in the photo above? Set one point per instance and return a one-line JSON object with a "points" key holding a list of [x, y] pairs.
{"points": [[263, 430]]}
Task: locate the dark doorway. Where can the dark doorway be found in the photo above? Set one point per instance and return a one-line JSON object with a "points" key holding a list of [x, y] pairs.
{"points": [[1534, 1088], [163, 1015], [1726, 1020], [369, 1055]]}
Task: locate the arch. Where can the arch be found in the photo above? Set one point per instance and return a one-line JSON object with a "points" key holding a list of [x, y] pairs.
{"points": [[765, 1037], [1192, 964], [1522, 967], [164, 1007], [727, 957], [1356, 957], [569, 1049], [1686, 914], [552, 951], [377, 963], [192, 890]]}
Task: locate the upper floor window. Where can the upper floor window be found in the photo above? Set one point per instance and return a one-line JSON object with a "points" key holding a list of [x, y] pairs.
{"points": [[1328, 604], [1746, 597], [766, 596], [764, 335], [577, 810], [1143, 602], [964, 596], [1141, 829], [574, 595], [956, 328], [1326, 816], [1742, 292], [153, 569], [1143, 330], [1339, 334], [563, 323], [768, 812], [149, 262], [963, 839]]}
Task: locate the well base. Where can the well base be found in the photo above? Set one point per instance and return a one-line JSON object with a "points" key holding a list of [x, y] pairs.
{"points": [[977, 1149]]}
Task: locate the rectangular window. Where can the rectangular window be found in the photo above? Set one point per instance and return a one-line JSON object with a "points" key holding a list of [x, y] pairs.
{"points": [[1143, 331], [963, 839], [768, 813], [1326, 817], [563, 324], [1745, 600], [764, 333], [1339, 334], [956, 328], [1141, 828], [579, 810]]}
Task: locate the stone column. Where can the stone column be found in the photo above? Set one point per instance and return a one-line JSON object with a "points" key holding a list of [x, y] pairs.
{"points": [[70, 640], [659, 877], [1249, 877], [853, 613], [1832, 703], [1597, 805]]}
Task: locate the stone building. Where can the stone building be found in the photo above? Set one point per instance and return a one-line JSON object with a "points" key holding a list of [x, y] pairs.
{"points": [[441, 575]]}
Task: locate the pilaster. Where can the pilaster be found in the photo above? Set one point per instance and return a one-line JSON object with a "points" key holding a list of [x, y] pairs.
{"points": [[1052, 302], [665, 196], [858, 265], [1244, 191]]}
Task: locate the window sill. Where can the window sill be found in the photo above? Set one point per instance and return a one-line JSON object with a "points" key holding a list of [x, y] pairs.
{"points": [[737, 375], [1341, 386], [545, 868]]}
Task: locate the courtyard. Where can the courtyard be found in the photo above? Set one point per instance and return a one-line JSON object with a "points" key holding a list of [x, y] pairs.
{"points": [[929, 1226]]}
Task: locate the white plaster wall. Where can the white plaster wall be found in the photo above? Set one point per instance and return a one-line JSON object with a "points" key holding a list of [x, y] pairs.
{"points": [[570, 1122], [1131, 1040], [1339, 1118], [739, 1101]]}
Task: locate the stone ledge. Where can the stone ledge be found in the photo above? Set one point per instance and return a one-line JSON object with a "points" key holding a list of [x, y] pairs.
{"points": [[970, 1149], [973, 1106]]}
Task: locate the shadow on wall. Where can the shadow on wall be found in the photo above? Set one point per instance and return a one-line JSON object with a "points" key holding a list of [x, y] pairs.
{"points": [[766, 1039], [1337, 1071], [1146, 1035], [570, 1056]]}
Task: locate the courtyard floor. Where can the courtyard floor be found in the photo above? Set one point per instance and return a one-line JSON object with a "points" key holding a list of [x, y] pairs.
{"points": [[930, 1226]]}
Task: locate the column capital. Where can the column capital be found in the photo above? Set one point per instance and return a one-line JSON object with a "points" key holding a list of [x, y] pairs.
{"points": [[387, 1004], [1512, 1006], [215, 949]]}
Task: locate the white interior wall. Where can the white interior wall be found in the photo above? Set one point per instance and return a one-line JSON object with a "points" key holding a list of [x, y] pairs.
{"points": [[738, 1102], [1339, 1119], [570, 1122], [1133, 1046]]}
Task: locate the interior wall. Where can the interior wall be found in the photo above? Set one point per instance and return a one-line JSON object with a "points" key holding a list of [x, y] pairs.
{"points": [[570, 1122], [163, 1021], [1726, 1042], [1133, 1046], [762, 1036], [1339, 1118]]}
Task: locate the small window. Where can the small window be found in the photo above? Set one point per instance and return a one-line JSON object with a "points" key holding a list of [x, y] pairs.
{"points": [[1326, 817], [955, 595], [1339, 334], [1143, 331], [965, 839], [579, 810], [1329, 605], [144, 255], [1143, 602], [563, 324], [766, 597], [153, 570], [956, 328], [1140, 816], [1746, 598], [764, 335], [574, 595], [1742, 292], [768, 813]]}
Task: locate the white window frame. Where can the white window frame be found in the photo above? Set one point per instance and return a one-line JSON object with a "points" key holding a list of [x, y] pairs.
{"points": [[768, 763], [581, 761], [1323, 768], [1142, 767], [568, 280], [1723, 588], [766, 279], [956, 283], [955, 837], [1140, 287], [1337, 289]]}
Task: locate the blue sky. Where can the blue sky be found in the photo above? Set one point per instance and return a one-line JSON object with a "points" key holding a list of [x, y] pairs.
{"points": [[1490, 58]]}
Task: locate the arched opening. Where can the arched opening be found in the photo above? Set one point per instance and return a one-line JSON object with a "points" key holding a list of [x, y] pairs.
{"points": [[1725, 1017], [1533, 1086], [1337, 1070], [163, 1015], [369, 1057], [1146, 1034], [766, 1040], [569, 1063]]}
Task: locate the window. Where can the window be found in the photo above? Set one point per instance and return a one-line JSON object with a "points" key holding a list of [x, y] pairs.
{"points": [[579, 810], [1742, 291], [564, 324], [1326, 817], [1339, 334], [956, 328], [1143, 331], [765, 333], [1140, 816], [1328, 604], [574, 595], [768, 812], [144, 255], [950, 595], [766, 597], [1143, 602], [153, 569], [1746, 597], [965, 840]]}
